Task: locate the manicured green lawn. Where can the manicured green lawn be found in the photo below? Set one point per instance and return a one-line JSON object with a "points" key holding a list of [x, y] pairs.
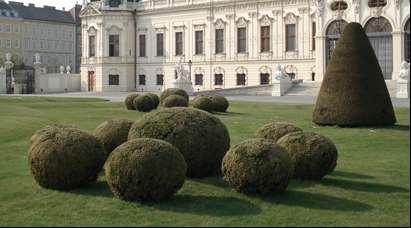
{"points": [[370, 186]]}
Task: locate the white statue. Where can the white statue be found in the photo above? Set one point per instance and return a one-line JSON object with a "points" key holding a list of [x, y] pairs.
{"points": [[279, 73], [2, 70], [404, 72], [182, 74], [62, 68], [319, 7], [8, 57], [68, 69], [37, 58]]}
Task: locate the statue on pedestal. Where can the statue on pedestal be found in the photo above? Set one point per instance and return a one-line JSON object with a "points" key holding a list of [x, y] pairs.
{"points": [[37, 59], [279, 74], [62, 68], [183, 80], [404, 72], [68, 69]]}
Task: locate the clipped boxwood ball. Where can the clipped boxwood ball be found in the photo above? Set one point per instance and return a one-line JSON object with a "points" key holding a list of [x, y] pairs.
{"points": [[129, 101], [173, 91], [220, 103], [313, 155], [144, 103], [201, 137], [175, 101], [155, 99], [257, 166], [113, 133], [145, 170], [203, 103], [274, 131], [64, 157]]}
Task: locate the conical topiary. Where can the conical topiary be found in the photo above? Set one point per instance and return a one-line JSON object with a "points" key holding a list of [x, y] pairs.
{"points": [[353, 92]]}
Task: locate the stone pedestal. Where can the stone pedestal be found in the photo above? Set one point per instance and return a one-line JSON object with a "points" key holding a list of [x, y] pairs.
{"points": [[185, 85], [280, 87], [403, 89]]}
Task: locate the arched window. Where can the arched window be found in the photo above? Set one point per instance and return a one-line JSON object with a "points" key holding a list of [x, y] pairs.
{"points": [[379, 30], [339, 5], [377, 3], [334, 31], [407, 41]]}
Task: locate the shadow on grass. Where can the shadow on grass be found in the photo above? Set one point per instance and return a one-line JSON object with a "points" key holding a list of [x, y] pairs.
{"points": [[316, 201], [215, 181], [398, 127], [361, 186], [218, 206], [228, 113], [350, 175], [99, 188]]}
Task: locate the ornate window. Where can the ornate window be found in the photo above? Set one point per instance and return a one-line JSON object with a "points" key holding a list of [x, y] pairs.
{"points": [[218, 79], [265, 33], [333, 32], [114, 79], [114, 45], [142, 79], [264, 79], [179, 43], [160, 79], [290, 21], [378, 25], [199, 42], [241, 40], [241, 78], [339, 6], [377, 3], [160, 44], [142, 45], [199, 79], [219, 36], [92, 46]]}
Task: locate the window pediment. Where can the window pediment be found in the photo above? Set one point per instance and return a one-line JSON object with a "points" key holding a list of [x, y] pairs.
{"points": [[242, 22], [219, 24], [290, 18], [265, 20]]}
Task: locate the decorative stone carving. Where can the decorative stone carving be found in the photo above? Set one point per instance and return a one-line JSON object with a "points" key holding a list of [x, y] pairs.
{"points": [[37, 59], [356, 5], [241, 70], [8, 63], [319, 6], [8, 57], [68, 69], [265, 70], [280, 73], [290, 18], [403, 82], [281, 82], [242, 22], [62, 68], [183, 80], [266, 20], [219, 70], [219, 24]]}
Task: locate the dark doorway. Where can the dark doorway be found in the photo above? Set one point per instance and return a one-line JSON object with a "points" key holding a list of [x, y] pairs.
{"points": [[91, 81]]}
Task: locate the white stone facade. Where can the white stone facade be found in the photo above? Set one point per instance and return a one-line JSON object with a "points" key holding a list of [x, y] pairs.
{"points": [[305, 60]]}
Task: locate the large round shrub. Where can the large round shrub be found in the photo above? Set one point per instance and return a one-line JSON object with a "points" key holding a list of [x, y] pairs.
{"points": [[220, 103], [173, 91], [145, 170], [257, 166], [313, 155], [274, 131], [144, 103], [201, 137], [155, 98], [129, 101], [64, 157], [175, 101], [113, 133], [203, 103]]}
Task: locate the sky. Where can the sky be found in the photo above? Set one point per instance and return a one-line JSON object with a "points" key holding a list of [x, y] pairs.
{"points": [[59, 4]]}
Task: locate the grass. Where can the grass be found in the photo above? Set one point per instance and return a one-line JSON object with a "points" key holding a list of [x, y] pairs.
{"points": [[370, 186]]}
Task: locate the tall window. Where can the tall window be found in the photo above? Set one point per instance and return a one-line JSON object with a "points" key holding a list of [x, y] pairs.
{"points": [[290, 37], [241, 40], [199, 42], [114, 79], [219, 41], [265, 38], [114, 44], [198, 79], [160, 79], [92, 46], [377, 3], [142, 79], [240, 79], [160, 44], [179, 43], [218, 79], [314, 33], [407, 41], [264, 79], [142, 43]]}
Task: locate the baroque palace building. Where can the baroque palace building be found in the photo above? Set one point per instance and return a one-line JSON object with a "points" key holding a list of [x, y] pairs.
{"points": [[130, 45]]}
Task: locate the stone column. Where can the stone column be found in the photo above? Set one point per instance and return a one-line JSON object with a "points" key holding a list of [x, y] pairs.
{"points": [[397, 41], [3, 88], [253, 50], [230, 42]]}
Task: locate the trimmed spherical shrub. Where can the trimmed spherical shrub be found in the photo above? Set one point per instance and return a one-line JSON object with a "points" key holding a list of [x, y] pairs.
{"points": [[353, 91], [173, 91], [201, 137], [113, 133], [129, 101], [175, 101], [274, 131], [64, 157], [145, 170], [313, 155], [144, 103], [257, 166], [155, 98], [203, 103], [220, 103]]}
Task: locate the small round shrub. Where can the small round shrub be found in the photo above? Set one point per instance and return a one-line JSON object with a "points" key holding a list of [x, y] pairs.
{"points": [[155, 99], [203, 103], [274, 131], [257, 166], [220, 103], [113, 133], [64, 157], [313, 155], [175, 101], [201, 137], [144, 103], [145, 170], [129, 101], [173, 91]]}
